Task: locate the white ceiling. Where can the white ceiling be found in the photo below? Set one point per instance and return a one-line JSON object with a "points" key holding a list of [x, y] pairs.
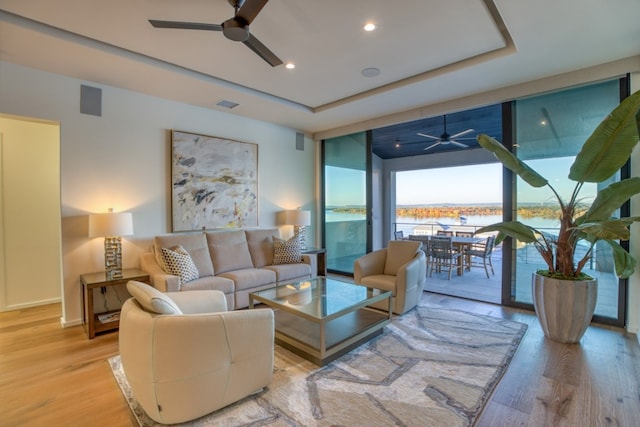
{"points": [[428, 51]]}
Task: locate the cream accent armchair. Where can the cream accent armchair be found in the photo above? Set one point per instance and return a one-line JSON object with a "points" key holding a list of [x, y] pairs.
{"points": [[185, 356], [400, 268]]}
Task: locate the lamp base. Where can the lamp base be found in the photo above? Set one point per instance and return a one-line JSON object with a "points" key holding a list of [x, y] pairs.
{"points": [[301, 231], [113, 257]]}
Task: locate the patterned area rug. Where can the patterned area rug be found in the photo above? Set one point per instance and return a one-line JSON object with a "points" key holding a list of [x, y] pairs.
{"points": [[430, 367]]}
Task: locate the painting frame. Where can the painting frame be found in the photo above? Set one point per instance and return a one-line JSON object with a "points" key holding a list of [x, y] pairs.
{"points": [[214, 182]]}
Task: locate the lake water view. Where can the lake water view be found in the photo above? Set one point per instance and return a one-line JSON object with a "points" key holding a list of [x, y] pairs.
{"points": [[471, 220]]}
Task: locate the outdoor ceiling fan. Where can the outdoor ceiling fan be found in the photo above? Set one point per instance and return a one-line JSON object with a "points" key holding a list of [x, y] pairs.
{"points": [[446, 139], [236, 28]]}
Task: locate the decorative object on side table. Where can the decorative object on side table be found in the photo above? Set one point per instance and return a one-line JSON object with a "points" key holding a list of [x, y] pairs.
{"points": [[111, 226], [299, 219], [564, 297]]}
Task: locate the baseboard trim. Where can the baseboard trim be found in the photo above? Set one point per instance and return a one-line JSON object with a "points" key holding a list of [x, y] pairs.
{"points": [[31, 304]]}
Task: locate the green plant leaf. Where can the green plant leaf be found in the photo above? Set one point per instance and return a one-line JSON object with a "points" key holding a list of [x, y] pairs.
{"points": [[612, 229], [610, 145], [511, 162], [514, 229], [611, 198], [624, 262]]}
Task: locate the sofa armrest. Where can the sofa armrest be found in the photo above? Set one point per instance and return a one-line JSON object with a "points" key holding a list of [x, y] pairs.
{"points": [[159, 279], [369, 264], [312, 260], [199, 301]]}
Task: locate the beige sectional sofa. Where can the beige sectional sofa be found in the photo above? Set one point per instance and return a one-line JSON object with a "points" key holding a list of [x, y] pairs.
{"points": [[234, 262]]}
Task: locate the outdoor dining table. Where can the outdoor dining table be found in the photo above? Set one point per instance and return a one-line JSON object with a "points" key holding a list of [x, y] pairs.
{"points": [[459, 243]]}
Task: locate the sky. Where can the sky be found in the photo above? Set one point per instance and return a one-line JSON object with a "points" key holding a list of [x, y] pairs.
{"points": [[461, 184]]}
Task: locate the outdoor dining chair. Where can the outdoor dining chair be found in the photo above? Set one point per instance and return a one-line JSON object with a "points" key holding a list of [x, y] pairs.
{"points": [[479, 255], [426, 246], [443, 257], [464, 233]]}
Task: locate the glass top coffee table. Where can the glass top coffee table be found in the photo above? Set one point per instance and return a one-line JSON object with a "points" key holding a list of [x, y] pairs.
{"points": [[321, 319]]}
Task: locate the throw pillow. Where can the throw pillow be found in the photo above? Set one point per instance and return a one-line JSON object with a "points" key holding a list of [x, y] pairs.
{"points": [[152, 299], [287, 251], [179, 263]]}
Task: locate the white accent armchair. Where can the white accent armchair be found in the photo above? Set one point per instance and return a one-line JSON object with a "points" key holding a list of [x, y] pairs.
{"points": [[400, 268], [185, 356]]}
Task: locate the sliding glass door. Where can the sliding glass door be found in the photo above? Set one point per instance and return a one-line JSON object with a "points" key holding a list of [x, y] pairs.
{"points": [[346, 198], [550, 130]]}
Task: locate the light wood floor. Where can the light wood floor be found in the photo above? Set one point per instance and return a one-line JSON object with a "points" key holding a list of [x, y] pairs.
{"points": [[51, 376]]}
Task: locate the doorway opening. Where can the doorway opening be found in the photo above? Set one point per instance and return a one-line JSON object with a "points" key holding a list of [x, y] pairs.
{"points": [[454, 200]]}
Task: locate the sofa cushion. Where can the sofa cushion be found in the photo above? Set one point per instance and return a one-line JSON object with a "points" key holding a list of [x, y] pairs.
{"points": [[215, 283], [289, 272], [152, 299], [179, 263], [399, 252], [250, 277], [261, 245], [229, 250], [287, 251], [195, 244]]}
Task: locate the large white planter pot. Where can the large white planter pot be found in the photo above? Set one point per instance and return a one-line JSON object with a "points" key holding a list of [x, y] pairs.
{"points": [[564, 307]]}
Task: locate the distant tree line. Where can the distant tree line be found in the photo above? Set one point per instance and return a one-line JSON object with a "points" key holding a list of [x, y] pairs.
{"points": [[417, 212]]}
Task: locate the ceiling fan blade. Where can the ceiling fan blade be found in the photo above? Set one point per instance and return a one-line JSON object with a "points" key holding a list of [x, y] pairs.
{"points": [[433, 145], [459, 144], [262, 51], [428, 136], [250, 9], [464, 132], [185, 25]]}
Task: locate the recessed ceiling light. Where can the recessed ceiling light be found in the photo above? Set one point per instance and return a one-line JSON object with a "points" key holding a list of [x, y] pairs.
{"points": [[290, 65], [370, 72], [369, 26]]}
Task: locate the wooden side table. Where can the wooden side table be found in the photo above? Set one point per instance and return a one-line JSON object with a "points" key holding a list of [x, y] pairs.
{"points": [[91, 281], [321, 255]]}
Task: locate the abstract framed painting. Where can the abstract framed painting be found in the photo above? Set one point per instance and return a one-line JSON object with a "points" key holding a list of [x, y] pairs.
{"points": [[214, 182]]}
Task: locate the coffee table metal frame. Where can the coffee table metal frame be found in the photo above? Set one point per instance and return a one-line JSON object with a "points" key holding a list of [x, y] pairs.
{"points": [[304, 326]]}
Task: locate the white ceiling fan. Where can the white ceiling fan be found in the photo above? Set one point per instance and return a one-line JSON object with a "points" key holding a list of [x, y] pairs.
{"points": [[446, 139]]}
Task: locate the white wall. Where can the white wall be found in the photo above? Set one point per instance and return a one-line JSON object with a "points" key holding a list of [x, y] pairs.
{"points": [[30, 238], [122, 160]]}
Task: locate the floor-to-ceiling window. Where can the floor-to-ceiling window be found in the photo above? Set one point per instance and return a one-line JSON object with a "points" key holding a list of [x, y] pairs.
{"points": [[346, 217], [550, 130]]}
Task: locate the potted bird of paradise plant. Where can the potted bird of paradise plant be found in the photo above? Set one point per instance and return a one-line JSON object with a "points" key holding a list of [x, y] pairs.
{"points": [[564, 297]]}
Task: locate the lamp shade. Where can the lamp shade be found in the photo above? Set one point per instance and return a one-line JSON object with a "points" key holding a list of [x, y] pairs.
{"points": [[297, 217], [110, 224]]}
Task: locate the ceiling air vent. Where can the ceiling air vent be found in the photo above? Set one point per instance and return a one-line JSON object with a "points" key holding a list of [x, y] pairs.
{"points": [[227, 104]]}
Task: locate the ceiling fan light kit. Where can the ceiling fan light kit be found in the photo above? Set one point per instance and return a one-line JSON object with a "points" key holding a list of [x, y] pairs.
{"points": [[235, 29]]}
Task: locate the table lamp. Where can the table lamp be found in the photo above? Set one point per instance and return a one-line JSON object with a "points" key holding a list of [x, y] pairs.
{"points": [[111, 226], [299, 219]]}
